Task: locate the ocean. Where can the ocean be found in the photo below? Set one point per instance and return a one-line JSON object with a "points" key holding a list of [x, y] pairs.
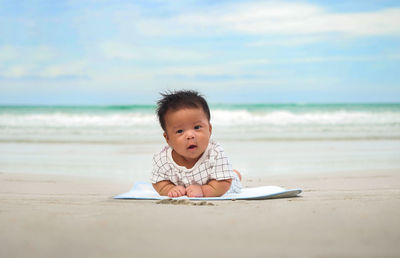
{"points": [[117, 142]]}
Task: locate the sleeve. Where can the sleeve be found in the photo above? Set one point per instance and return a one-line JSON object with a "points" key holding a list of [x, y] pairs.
{"points": [[222, 168], [161, 169]]}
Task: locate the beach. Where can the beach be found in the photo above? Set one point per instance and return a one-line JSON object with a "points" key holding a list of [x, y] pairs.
{"points": [[61, 166], [99, 98], [348, 214]]}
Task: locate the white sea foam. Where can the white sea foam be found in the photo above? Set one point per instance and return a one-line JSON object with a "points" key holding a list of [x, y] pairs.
{"points": [[244, 117], [135, 126], [76, 120], [219, 117]]}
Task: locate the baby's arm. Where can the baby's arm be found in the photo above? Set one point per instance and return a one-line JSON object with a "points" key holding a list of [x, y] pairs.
{"points": [[216, 188], [213, 188], [166, 187]]}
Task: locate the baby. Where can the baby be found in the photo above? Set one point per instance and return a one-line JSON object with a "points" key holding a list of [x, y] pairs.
{"points": [[192, 164]]}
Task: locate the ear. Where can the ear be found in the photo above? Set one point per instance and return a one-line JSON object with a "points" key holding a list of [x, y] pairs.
{"points": [[210, 128], [166, 137]]}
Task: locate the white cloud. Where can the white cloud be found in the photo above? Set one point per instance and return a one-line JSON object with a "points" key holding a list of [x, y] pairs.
{"points": [[29, 68], [394, 56], [201, 70], [252, 71], [123, 76], [42, 61], [19, 70], [320, 59], [75, 68], [276, 18], [131, 52], [288, 41], [12, 53], [8, 53]]}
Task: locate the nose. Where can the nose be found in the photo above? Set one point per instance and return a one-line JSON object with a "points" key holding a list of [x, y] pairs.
{"points": [[189, 134]]}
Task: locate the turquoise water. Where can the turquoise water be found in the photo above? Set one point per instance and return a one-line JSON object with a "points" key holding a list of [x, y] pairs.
{"points": [[129, 124], [261, 139], [374, 107]]}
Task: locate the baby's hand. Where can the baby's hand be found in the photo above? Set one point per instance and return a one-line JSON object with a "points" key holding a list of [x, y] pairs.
{"points": [[177, 191], [194, 191]]}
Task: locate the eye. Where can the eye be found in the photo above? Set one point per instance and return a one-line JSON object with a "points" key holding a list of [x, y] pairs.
{"points": [[179, 131], [197, 127]]}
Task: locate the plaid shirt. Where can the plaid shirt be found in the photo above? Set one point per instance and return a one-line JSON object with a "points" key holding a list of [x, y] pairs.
{"points": [[213, 164]]}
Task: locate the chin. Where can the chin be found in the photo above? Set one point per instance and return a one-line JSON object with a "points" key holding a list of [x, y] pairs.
{"points": [[193, 156]]}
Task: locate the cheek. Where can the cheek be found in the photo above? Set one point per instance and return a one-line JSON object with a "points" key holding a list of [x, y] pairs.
{"points": [[174, 140]]}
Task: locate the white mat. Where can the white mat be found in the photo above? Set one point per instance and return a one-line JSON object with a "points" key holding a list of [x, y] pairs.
{"points": [[145, 191]]}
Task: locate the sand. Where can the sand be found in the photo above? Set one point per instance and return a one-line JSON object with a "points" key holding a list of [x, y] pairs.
{"points": [[339, 215]]}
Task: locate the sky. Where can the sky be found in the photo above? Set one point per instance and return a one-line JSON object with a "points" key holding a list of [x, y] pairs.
{"points": [[125, 52]]}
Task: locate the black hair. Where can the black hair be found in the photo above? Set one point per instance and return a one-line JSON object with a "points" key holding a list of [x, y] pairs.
{"points": [[174, 100]]}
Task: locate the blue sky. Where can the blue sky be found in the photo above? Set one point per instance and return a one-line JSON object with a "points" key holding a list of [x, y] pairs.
{"points": [[125, 52]]}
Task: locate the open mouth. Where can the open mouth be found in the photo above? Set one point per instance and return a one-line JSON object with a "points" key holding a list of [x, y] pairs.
{"points": [[191, 147]]}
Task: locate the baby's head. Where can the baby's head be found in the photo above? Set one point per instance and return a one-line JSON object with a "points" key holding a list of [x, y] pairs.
{"points": [[185, 118], [185, 99]]}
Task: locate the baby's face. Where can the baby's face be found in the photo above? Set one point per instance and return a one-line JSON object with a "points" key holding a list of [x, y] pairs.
{"points": [[188, 132]]}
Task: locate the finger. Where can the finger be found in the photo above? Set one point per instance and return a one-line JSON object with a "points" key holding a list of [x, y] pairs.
{"points": [[175, 194], [192, 194], [178, 193], [183, 190], [171, 193]]}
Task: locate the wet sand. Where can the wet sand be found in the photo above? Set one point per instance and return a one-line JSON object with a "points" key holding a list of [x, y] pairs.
{"points": [[353, 214]]}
